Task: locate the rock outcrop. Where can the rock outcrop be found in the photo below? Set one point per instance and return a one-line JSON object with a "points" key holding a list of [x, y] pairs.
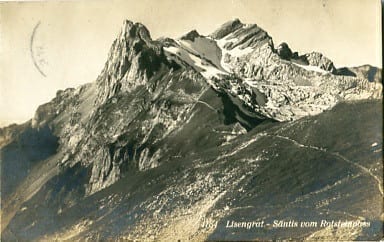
{"points": [[192, 35], [133, 59], [319, 60], [227, 28], [284, 51], [368, 72]]}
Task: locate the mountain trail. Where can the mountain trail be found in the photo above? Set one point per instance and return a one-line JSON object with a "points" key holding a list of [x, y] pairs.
{"points": [[360, 167], [206, 104]]}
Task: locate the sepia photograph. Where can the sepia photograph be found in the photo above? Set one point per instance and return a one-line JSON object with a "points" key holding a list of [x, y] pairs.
{"points": [[181, 120]]}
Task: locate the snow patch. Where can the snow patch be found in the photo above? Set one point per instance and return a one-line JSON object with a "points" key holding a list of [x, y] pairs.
{"points": [[235, 52], [311, 68], [204, 47], [206, 69]]}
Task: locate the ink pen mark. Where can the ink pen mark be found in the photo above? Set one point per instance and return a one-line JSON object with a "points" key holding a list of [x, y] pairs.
{"points": [[31, 49]]}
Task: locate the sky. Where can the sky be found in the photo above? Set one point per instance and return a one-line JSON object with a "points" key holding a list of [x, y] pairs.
{"points": [[47, 46]]}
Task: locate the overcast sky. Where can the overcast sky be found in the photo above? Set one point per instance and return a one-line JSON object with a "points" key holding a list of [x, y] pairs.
{"points": [[72, 38]]}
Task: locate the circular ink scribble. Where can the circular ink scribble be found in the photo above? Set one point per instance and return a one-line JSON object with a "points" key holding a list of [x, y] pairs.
{"points": [[36, 60]]}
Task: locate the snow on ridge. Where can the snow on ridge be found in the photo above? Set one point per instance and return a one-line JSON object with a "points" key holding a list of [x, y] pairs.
{"points": [[204, 47], [287, 100], [311, 68], [197, 52], [207, 70]]}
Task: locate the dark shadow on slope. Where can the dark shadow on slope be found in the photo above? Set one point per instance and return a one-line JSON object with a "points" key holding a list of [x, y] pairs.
{"points": [[371, 74], [56, 196], [18, 157], [345, 71], [236, 113]]}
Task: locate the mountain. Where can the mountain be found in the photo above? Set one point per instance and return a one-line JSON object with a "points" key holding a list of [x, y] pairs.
{"points": [[371, 73], [178, 139]]}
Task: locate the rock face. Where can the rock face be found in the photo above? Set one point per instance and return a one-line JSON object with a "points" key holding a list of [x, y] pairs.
{"points": [[313, 59], [319, 60], [192, 35], [185, 129], [368, 72], [227, 28], [284, 51], [132, 60]]}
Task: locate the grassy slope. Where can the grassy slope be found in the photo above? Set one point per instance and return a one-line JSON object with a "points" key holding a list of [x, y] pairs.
{"points": [[268, 177]]}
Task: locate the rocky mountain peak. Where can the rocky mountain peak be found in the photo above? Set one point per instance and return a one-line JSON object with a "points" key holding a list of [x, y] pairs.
{"points": [[312, 59], [236, 34], [191, 35], [133, 58], [131, 31], [227, 28], [318, 59], [284, 51]]}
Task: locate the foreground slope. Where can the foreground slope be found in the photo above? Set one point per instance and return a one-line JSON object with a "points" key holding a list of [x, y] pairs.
{"points": [[303, 171]]}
